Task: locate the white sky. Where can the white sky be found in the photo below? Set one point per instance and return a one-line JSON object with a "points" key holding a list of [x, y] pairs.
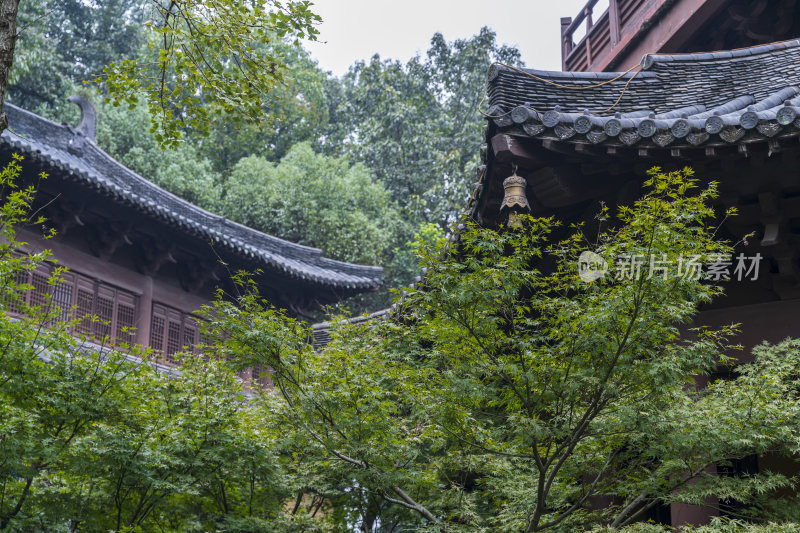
{"points": [[398, 29]]}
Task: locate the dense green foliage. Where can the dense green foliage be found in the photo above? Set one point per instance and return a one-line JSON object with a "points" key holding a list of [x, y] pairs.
{"points": [[315, 200], [205, 57], [181, 170], [508, 393], [504, 395], [717, 525], [299, 110], [94, 440]]}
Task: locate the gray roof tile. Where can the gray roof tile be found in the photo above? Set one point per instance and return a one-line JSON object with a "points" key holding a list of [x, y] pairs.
{"points": [[713, 90]]}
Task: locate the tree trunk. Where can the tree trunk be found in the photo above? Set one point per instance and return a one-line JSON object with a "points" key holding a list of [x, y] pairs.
{"points": [[8, 40]]}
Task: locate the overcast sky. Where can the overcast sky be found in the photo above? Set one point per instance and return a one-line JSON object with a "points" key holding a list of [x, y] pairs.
{"points": [[398, 29]]}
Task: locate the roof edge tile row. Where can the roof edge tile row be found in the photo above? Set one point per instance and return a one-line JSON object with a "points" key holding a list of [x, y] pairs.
{"points": [[713, 98]]}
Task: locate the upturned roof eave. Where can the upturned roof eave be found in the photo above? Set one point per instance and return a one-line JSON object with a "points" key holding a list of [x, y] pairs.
{"points": [[79, 157]]}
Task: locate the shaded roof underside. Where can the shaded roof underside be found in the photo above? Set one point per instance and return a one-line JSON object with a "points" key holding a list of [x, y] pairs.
{"points": [[716, 98], [80, 159]]}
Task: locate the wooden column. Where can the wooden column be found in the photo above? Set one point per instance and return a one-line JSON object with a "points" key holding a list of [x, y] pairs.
{"points": [[145, 310]]}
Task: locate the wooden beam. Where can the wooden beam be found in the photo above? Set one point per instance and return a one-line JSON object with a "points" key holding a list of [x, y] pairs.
{"points": [[195, 273], [557, 147], [63, 214], [586, 149], [153, 254], [556, 187], [106, 236], [511, 150]]}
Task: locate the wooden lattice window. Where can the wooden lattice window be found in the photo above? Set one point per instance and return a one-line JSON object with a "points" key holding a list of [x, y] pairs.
{"points": [[21, 278], [189, 333], [173, 340], [115, 312], [62, 296], [172, 331], [261, 377], [124, 327], [84, 305], [104, 312], [80, 297], [37, 294], [157, 332]]}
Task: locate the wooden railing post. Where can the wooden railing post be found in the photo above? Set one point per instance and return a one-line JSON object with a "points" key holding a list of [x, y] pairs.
{"points": [[587, 17], [613, 22], [566, 41]]}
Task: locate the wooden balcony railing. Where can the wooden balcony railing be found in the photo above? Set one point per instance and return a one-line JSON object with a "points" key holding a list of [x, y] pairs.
{"points": [[599, 28]]}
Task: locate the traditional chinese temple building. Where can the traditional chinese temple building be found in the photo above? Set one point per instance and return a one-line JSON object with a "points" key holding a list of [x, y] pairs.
{"points": [[140, 257], [613, 35], [582, 136]]}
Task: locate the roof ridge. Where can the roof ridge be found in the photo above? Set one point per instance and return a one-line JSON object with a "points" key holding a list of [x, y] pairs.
{"points": [[496, 68], [648, 60], [345, 264]]}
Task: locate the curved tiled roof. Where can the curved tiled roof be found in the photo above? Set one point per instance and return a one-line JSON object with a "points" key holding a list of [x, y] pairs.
{"points": [[727, 97], [73, 151]]}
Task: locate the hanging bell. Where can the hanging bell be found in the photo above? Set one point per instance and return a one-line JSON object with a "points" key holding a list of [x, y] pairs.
{"points": [[514, 199]]}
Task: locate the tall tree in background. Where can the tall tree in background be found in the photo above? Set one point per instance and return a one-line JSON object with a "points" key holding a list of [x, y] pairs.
{"points": [[8, 41], [298, 107], [200, 51], [182, 170], [417, 125], [62, 43], [316, 200]]}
